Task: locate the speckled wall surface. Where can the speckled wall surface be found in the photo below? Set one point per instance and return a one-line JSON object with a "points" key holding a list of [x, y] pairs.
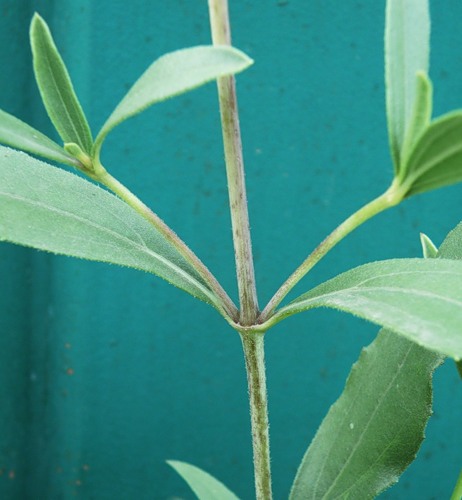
{"points": [[106, 372]]}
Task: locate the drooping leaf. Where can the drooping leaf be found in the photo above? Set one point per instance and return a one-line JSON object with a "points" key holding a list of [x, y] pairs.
{"points": [[374, 430], [407, 48], [174, 74], [436, 159], [429, 249], [205, 486], [56, 88], [420, 299], [19, 135], [49, 209], [419, 120]]}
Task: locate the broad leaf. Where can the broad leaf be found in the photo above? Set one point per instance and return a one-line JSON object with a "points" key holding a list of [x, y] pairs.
{"points": [[56, 87], [49, 209], [420, 299], [174, 74], [451, 248], [374, 430], [19, 135], [407, 47], [205, 486], [436, 159]]}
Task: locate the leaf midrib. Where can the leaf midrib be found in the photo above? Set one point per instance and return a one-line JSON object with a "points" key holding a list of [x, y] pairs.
{"points": [[143, 248]]}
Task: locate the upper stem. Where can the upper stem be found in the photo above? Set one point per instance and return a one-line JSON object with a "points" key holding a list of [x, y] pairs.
{"points": [[102, 176], [388, 199], [221, 35]]}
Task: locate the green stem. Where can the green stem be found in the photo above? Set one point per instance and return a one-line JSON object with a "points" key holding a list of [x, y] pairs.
{"points": [[388, 199], [457, 493], [220, 27], [102, 176], [254, 354]]}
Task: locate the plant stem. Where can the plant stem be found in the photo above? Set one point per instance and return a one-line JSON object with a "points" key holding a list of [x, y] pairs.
{"points": [[221, 35], [254, 354], [102, 176], [457, 493], [388, 199]]}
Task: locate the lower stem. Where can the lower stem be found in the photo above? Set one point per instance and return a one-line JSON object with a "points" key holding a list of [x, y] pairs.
{"points": [[254, 354]]}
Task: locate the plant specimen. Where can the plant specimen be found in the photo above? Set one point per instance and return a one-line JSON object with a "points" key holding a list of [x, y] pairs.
{"points": [[358, 451]]}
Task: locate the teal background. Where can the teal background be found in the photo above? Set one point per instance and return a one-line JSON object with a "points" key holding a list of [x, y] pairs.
{"points": [[107, 372]]}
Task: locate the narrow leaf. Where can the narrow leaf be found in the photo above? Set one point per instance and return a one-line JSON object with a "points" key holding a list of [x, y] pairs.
{"points": [[56, 87], [49, 209], [174, 74], [19, 135], [205, 486], [407, 48], [420, 299], [419, 120], [374, 430], [429, 249]]}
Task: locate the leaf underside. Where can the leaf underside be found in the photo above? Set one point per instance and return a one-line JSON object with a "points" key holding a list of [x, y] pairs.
{"points": [[19, 135], [205, 486], [174, 74], [420, 299], [49, 209]]}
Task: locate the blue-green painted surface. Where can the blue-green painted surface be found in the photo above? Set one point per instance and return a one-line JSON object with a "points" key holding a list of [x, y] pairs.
{"points": [[106, 372]]}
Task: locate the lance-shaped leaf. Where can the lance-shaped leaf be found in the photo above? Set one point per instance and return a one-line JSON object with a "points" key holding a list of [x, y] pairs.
{"points": [[19, 135], [49, 209], [174, 74], [374, 430], [419, 120], [205, 486], [56, 88], [436, 159], [420, 299], [407, 47]]}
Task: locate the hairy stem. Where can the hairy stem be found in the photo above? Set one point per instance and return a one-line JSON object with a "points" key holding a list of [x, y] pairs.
{"points": [[126, 195], [388, 199], [220, 27], [253, 345]]}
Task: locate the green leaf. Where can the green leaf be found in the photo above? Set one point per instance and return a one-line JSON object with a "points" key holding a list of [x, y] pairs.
{"points": [[56, 87], [174, 74], [420, 299], [451, 248], [374, 430], [49, 209], [436, 159], [419, 120], [429, 249], [407, 48], [205, 486], [19, 135]]}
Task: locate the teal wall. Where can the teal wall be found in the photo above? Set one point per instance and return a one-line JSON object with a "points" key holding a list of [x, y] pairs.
{"points": [[106, 372]]}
